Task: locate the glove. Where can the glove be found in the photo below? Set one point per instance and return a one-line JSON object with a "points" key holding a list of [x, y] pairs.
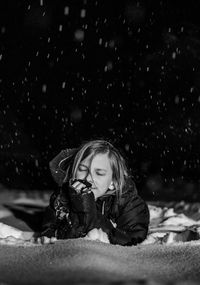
{"points": [[82, 200]]}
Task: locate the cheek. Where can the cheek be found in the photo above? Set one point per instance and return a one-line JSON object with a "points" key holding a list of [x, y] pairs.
{"points": [[104, 183], [79, 175]]}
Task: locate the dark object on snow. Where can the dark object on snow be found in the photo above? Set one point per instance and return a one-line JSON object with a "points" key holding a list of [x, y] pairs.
{"points": [[32, 215], [187, 235]]}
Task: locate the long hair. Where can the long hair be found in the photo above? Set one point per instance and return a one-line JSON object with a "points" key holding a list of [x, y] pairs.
{"points": [[117, 162]]}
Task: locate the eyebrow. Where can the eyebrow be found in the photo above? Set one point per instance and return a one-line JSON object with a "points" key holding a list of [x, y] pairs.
{"points": [[98, 169], [81, 164]]}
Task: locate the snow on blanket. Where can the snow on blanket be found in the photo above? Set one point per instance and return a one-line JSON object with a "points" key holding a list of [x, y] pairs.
{"points": [[168, 226]]}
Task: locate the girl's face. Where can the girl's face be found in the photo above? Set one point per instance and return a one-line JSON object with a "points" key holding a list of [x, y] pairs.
{"points": [[99, 173]]}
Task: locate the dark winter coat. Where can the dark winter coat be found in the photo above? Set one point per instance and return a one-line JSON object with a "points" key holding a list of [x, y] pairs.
{"points": [[73, 215]]}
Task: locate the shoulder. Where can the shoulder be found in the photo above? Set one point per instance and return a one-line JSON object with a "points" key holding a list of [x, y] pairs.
{"points": [[129, 190], [130, 198]]}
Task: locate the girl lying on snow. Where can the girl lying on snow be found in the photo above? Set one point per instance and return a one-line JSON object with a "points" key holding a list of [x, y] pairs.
{"points": [[96, 198]]}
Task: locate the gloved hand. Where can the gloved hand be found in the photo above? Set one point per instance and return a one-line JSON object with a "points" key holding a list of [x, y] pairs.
{"points": [[83, 202], [82, 198]]}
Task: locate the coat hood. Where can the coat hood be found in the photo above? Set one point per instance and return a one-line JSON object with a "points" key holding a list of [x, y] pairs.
{"points": [[59, 164]]}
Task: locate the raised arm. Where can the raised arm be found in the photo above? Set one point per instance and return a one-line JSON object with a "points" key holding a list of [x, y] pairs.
{"points": [[58, 165]]}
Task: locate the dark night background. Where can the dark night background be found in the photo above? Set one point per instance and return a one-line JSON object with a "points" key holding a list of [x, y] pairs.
{"points": [[128, 71]]}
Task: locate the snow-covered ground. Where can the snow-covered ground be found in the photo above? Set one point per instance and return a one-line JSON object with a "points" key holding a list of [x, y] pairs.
{"points": [[30, 197]]}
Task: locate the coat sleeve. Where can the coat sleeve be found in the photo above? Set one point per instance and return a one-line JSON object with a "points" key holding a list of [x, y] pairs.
{"points": [[69, 216], [60, 221], [132, 223], [49, 226], [49, 223], [58, 164], [132, 219]]}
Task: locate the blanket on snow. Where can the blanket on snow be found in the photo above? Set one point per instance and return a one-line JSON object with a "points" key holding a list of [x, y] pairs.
{"points": [[81, 261]]}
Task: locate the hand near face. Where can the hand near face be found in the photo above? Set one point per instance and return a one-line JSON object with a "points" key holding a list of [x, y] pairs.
{"points": [[82, 197], [97, 172], [81, 186]]}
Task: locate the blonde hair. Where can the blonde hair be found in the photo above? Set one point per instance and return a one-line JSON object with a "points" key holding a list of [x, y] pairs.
{"points": [[117, 162]]}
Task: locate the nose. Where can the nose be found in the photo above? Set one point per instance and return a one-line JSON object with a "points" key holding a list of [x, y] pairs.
{"points": [[89, 177]]}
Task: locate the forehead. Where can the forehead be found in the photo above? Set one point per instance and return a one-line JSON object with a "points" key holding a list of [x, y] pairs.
{"points": [[100, 160]]}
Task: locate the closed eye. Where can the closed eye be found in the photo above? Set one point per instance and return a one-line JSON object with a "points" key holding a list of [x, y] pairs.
{"points": [[100, 173], [82, 168]]}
